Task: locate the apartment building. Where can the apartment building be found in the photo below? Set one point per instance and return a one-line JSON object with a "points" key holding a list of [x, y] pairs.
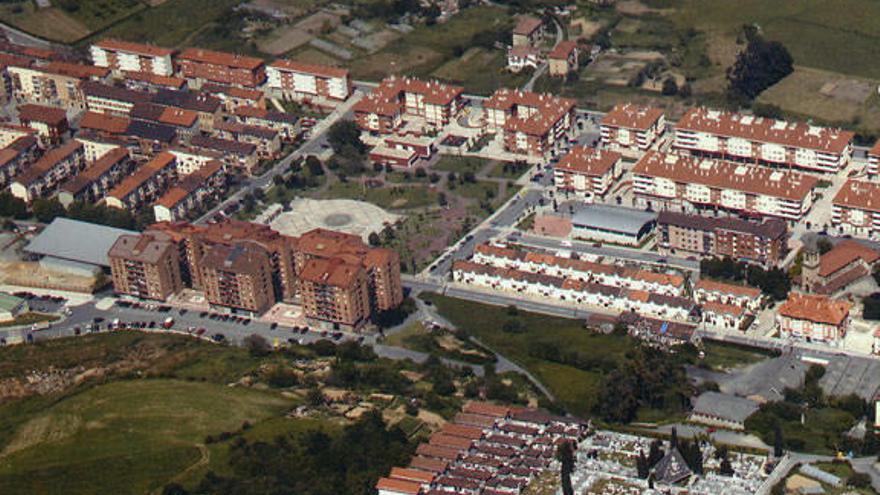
{"points": [[150, 83], [208, 107], [55, 83], [587, 173], [185, 122], [144, 185], [16, 156], [813, 318], [397, 100], [760, 243], [49, 122], [687, 183], [189, 160], [308, 83], [145, 266], [563, 58], [237, 277], [335, 292], [528, 31], [123, 56], [96, 145], [267, 141], [236, 155], [287, 124], [200, 66], [95, 181], [632, 129], [232, 97], [190, 192], [856, 209], [874, 159], [529, 123], [112, 100], [104, 124], [41, 178], [760, 140]]}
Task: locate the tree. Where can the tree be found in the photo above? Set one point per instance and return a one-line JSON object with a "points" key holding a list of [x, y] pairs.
{"points": [[777, 441], [655, 453], [871, 307], [642, 466], [673, 440], [670, 88], [726, 468], [47, 209], [441, 199], [12, 207], [313, 165], [257, 345], [859, 480], [345, 133], [762, 64], [565, 456], [174, 489], [314, 397], [374, 239], [824, 245]]}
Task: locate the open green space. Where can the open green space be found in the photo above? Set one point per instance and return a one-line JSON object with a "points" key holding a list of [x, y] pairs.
{"points": [[395, 197], [726, 356], [67, 20], [460, 164], [440, 342], [509, 170]]}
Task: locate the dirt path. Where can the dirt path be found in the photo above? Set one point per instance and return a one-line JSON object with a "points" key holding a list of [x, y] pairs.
{"points": [[204, 459]]}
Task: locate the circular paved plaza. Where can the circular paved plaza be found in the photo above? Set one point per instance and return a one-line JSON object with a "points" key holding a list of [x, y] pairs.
{"points": [[344, 215]]}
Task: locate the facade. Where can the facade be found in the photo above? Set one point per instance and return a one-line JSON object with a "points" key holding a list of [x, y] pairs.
{"points": [[400, 99], [55, 83], [631, 128], [563, 59], [529, 123], [587, 173], [856, 209], [95, 181], [16, 156], [235, 154], [49, 122], [529, 31], [41, 178], [669, 181], [144, 185], [145, 266], [200, 66], [747, 138], [266, 140], [102, 98], [124, 56], [335, 291], [874, 159], [308, 83], [237, 277], [759, 243], [190, 192], [742, 296], [522, 56], [814, 318]]}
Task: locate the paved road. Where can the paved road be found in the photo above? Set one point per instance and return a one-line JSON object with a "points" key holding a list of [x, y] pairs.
{"points": [[19, 37]]}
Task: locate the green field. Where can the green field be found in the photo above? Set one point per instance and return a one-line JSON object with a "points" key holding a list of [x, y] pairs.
{"points": [[726, 356], [460, 164], [401, 197], [67, 20]]}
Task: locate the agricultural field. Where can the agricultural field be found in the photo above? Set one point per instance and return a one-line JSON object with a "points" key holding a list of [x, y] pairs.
{"points": [[67, 20]]}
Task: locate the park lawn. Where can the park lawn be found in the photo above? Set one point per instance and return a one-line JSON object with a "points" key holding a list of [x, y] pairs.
{"points": [[394, 197], [509, 170], [724, 356], [126, 436], [575, 388], [478, 191], [460, 164]]}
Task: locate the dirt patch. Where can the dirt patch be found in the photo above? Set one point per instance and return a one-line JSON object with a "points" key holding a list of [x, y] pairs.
{"points": [[50, 428], [284, 39], [821, 94], [319, 22], [585, 29], [395, 61], [634, 7], [31, 274], [50, 23], [432, 419]]}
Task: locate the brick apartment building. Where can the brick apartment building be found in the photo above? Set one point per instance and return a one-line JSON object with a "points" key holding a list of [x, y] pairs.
{"points": [[587, 173], [308, 83], [530, 123], [55, 83], [238, 277], [398, 99], [856, 209], [124, 56], [631, 128], [335, 291], [670, 181], [41, 178], [747, 138], [759, 243], [200, 66], [49, 122], [145, 266]]}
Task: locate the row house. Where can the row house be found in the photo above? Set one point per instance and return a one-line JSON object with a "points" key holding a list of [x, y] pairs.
{"points": [[710, 291], [206, 66], [112, 100], [144, 185], [665, 180], [287, 124], [723, 316], [267, 141], [237, 155], [49, 122], [748, 138], [124, 56], [308, 83], [813, 318], [207, 107], [151, 83], [403, 151], [529, 123], [632, 129], [587, 173], [56, 83], [854, 209], [190, 192], [41, 178], [759, 243], [233, 97], [388, 106], [16, 156], [581, 270], [563, 59], [95, 181]]}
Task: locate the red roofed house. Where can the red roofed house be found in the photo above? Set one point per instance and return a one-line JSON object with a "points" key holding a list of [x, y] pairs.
{"points": [[856, 209], [587, 172], [813, 318], [122, 56], [563, 58], [528, 31], [394, 486], [632, 128], [200, 66], [308, 82], [847, 262], [522, 56], [398, 99], [748, 138], [49, 122], [529, 123]]}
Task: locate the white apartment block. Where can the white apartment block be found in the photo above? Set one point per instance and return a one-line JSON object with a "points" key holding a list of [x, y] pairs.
{"points": [[631, 128], [683, 183], [300, 82], [188, 161], [753, 139], [856, 209], [587, 173], [123, 56]]}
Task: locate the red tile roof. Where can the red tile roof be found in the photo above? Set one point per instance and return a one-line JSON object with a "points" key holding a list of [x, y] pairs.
{"points": [[818, 309], [720, 308], [39, 113], [726, 175], [588, 161], [48, 162], [178, 117], [333, 272], [862, 195], [563, 50], [485, 409], [760, 129], [416, 475], [845, 253], [79, 71], [547, 110], [160, 162], [220, 58], [138, 48], [631, 116], [387, 98], [104, 122], [738, 290], [526, 25], [155, 79], [314, 69], [398, 486]]}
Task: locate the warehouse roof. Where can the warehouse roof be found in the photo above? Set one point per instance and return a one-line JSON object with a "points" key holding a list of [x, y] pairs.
{"points": [[613, 218], [74, 240]]}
